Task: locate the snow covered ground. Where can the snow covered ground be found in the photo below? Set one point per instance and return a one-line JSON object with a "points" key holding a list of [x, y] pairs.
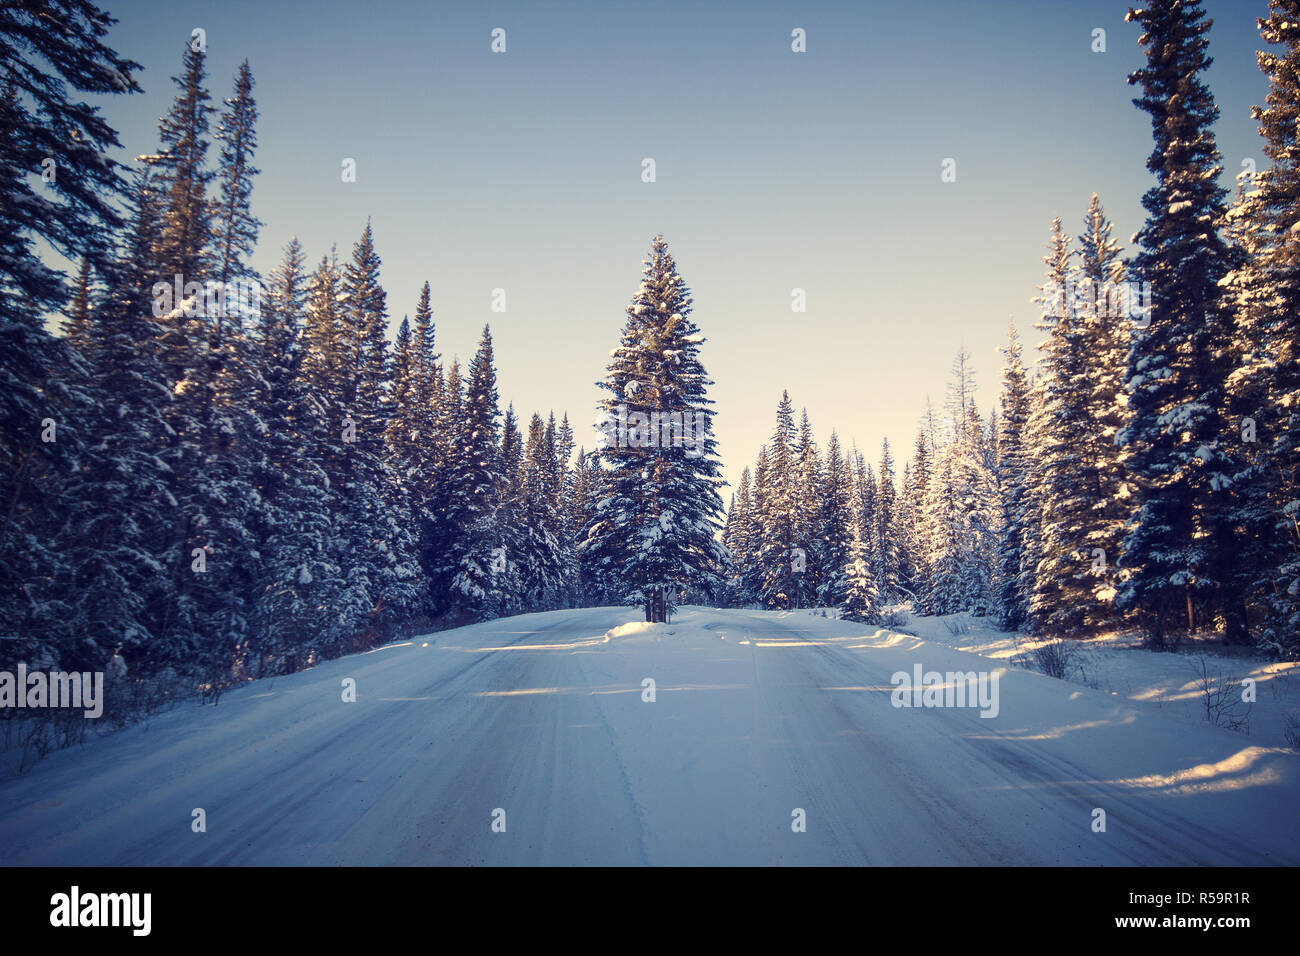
{"points": [[755, 717], [1174, 681]]}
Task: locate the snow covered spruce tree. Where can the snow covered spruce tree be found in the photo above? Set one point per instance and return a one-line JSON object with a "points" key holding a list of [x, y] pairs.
{"points": [[346, 366], [478, 561], [1264, 388], [1077, 478], [836, 522], [583, 484], [119, 507], [807, 530], [888, 555], [654, 531], [912, 523], [1182, 544], [779, 555], [1104, 324], [1062, 586], [214, 433], [865, 510], [960, 507], [58, 186], [861, 598], [738, 536], [545, 564], [300, 578], [1011, 603], [416, 448], [751, 570]]}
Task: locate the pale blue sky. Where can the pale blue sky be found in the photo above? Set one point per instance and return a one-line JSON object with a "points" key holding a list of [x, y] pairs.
{"points": [[775, 170]]}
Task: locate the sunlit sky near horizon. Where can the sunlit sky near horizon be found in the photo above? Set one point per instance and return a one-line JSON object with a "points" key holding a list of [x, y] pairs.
{"points": [[775, 170]]}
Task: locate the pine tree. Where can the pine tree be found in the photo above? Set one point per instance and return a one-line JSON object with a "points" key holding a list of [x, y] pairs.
{"points": [[1013, 472], [403, 432], [446, 510], [120, 504], [1105, 333], [1264, 388], [836, 522], [383, 579], [776, 557], [421, 445], [223, 508], [886, 530], [959, 507], [752, 575], [513, 570], [1036, 427], [236, 227], [77, 317], [806, 505], [212, 455], [861, 602], [74, 211], [1062, 586], [300, 578], [1182, 543], [547, 565], [654, 533], [904, 534], [184, 244], [916, 528], [474, 488], [46, 49], [739, 535], [864, 480], [581, 511]]}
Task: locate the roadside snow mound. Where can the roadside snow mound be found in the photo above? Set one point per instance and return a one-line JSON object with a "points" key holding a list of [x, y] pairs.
{"points": [[631, 627]]}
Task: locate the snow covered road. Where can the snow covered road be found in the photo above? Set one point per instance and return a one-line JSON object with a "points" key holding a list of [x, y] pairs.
{"points": [[756, 715]]}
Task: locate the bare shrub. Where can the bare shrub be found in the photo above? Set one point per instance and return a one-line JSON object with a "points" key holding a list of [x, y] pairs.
{"points": [[126, 700], [1055, 658], [895, 619], [1292, 729], [1221, 697]]}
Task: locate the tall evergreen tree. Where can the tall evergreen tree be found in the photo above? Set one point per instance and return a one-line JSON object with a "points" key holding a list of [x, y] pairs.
{"points": [[959, 507], [383, 578], [1012, 602], [1264, 388], [777, 557], [861, 600], [1062, 584], [474, 488], [73, 208], [185, 242], [120, 503], [655, 531], [886, 531], [1182, 543], [300, 578], [917, 529], [1105, 331], [836, 520], [76, 325], [236, 226], [806, 506], [738, 535], [864, 480], [47, 50]]}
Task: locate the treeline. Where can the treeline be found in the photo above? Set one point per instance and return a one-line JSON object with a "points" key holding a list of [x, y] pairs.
{"points": [[1147, 474], [214, 475]]}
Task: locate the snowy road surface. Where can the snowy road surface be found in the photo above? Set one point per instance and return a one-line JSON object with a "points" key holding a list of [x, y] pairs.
{"points": [[756, 714]]}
